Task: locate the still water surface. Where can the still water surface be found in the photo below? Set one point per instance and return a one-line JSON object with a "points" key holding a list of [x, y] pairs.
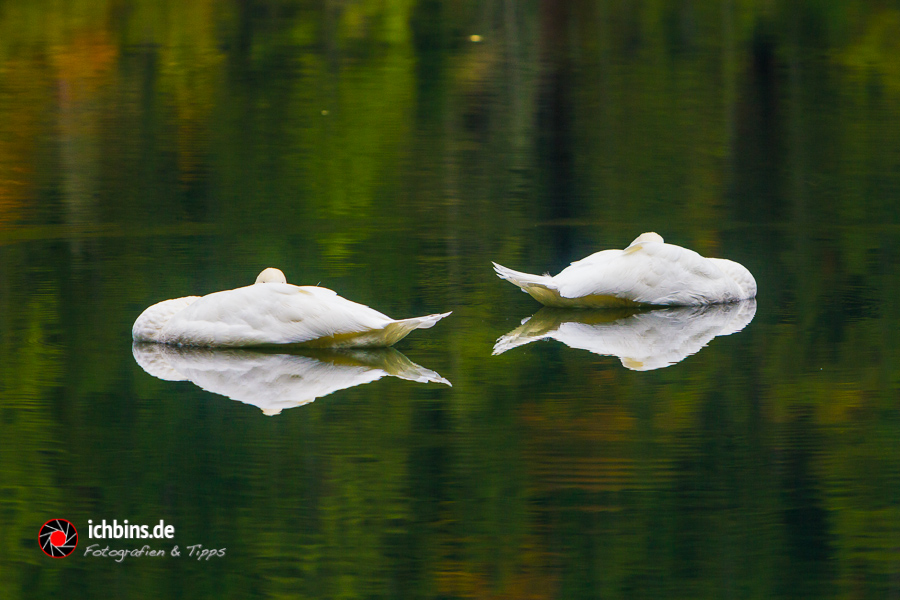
{"points": [[378, 149]]}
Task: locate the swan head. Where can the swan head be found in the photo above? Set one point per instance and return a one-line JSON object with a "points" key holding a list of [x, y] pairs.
{"points": [[271, 275]]}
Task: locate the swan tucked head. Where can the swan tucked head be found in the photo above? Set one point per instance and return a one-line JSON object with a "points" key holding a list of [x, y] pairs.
{"points": [[271, 275], [650, 236]]}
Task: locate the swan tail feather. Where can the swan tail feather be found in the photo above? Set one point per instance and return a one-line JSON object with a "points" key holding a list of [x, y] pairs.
{"points": [[534, 328], [397, 330], [513, 339], [379, 337], [521, 279], [399, 366], [539, 287]]}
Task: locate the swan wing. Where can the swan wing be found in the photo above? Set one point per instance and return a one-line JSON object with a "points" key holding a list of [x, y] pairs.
{"points": [[649, 272]]}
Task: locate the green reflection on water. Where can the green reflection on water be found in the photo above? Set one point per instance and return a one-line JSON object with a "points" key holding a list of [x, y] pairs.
{"points": [[152, 150]]}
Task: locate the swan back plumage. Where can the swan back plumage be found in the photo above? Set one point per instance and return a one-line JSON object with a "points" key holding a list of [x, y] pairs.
{"points": [[272, 312]]}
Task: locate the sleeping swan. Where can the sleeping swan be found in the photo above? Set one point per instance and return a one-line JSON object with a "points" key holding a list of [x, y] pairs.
{"points": [[277, 380], [647, 272], [272, 312], [642, 339]]}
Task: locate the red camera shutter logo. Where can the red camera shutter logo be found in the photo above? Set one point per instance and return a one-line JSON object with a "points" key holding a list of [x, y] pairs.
{"points": [[58, 538]]}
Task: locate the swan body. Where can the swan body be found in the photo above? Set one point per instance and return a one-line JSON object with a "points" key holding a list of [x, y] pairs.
{"points": [[272, 312], [642, 339], [647, 272], [274, 382]]}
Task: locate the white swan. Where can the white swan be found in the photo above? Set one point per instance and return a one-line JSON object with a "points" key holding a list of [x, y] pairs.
{"points": [[274, 382], [272, 312], [642, 339], [647, 272]]}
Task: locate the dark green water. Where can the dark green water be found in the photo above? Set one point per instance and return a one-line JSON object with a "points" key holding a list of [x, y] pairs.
{"points": [[151, 150]]}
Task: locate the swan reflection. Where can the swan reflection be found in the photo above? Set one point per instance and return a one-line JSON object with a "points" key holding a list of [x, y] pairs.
{"points": [[274, 382], [642, 339]]}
